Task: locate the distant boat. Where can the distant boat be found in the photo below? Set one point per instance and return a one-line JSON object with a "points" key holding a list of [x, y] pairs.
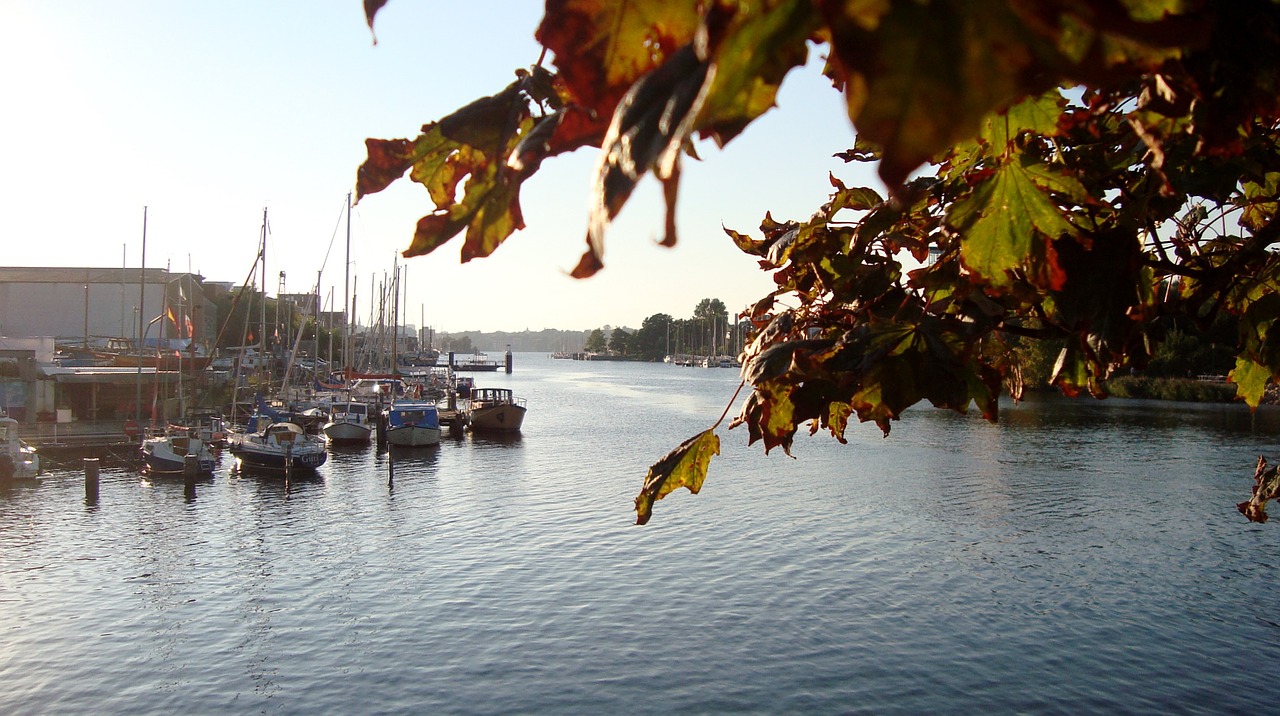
{"points": [[477, 362], [279, 446], [413, 423], [167, 453], [422, 359], [495, 409], [348, 423], [18, 461]]}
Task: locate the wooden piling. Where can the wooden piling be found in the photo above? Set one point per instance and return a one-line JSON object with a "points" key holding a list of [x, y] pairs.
{"points": [[190, 470], [91, 469]]}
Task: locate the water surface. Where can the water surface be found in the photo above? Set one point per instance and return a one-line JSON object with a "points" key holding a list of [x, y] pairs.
{"points": [[1076, 557]]}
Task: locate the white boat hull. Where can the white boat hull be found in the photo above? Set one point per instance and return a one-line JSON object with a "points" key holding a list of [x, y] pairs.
{"points": [[413, 436], [341, 431]]}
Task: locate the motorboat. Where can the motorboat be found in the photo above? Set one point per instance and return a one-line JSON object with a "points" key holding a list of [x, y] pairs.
{"points": [[279, 446], [167, 453], [18, 461], [495, 409], [348, 423], [413, 423]]}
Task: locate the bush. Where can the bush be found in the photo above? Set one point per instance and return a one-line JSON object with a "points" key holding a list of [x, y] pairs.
{"points": [[1194, 391]]}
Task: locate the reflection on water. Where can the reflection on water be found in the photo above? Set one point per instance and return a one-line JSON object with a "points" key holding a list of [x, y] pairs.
{"points": [[1075, 557]]}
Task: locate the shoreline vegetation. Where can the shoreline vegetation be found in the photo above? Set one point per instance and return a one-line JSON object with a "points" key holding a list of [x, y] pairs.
{"points": [[1208, 389]]}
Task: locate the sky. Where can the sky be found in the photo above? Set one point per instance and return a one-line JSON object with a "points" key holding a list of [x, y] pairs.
{"points": [[208, 113]]}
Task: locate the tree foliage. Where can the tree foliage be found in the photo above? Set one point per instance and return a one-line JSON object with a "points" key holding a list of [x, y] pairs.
{"points": [[1082, 169], [595, 342]]}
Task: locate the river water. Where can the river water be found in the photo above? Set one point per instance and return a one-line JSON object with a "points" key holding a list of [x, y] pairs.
{"points": [[1078, 557]]}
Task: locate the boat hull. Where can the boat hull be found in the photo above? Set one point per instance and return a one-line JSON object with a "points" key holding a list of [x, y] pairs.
{"points": [[166, 465], [279, 447], [498, 418], [278, 461], [347, 432], [413, 436]]}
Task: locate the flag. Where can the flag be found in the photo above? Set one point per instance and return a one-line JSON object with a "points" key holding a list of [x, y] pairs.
{"points": [[169, 312], [190, 329]]}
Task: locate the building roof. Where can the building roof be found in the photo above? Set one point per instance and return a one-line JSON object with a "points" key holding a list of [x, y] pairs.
{"points": [[66, 274]]}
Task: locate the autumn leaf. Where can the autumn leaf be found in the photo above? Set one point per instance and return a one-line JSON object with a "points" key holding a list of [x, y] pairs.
{"points": [[601, 48], [471, 145], [649, 129], [1251, 380], [1266, 487], [686, 466]]}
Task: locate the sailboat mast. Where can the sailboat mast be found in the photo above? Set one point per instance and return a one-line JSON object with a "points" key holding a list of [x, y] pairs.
{"points": [[262, 308], [142, 288], [346, 298]]}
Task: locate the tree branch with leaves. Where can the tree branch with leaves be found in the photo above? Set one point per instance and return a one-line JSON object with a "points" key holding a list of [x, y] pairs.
{"points": [[1077, 171]]}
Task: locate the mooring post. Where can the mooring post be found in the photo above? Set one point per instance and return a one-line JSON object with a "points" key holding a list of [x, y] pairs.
{"points": [[508, 359], [190, 469], [91, 479]]}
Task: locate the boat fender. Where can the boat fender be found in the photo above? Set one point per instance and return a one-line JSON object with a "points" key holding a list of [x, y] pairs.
{"points": [[6, 467]]}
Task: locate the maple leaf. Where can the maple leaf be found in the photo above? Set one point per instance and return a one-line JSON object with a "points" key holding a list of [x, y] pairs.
{"points": [[686, 466], [472, 144], [763, 42], [649, 129], [1251, 380], [1007, 224], [601, 48]]}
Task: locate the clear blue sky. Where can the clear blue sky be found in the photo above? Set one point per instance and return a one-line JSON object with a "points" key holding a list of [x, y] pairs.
{"points": [[208, 112]]}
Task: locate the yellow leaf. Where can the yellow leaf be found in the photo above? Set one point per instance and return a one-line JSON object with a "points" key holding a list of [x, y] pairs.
{"points": [[686, 466]]}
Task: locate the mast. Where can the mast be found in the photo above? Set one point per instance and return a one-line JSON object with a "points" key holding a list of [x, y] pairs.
{"points": [[395, 322], [262, 307], [347, 299], [142, 288]]}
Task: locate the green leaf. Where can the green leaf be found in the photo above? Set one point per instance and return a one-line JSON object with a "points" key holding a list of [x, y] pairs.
{"points": [[1007, 224], [1037, 114], [762, 44], [686, 466], [1251, 380], [1262, 205]]}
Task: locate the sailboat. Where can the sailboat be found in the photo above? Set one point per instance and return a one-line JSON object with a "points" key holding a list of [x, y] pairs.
{"points": [[167, 453], [274, 443], [349, 420]]}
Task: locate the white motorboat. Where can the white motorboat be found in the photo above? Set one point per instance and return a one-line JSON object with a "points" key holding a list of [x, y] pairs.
{"points": [[348, 423]]}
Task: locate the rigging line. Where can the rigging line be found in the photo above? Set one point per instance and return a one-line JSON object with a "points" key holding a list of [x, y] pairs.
{"points": [[336, 225]]}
